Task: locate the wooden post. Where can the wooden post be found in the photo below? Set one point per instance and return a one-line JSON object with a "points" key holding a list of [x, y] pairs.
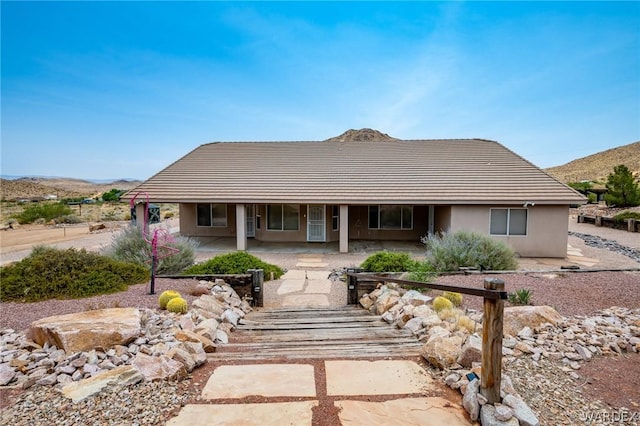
{"points": [[352, 290], [491, 373], [257, 281], [598, 221], [631, 225]]}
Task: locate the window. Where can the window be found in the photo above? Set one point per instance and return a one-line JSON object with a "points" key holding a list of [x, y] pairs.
{"points": [[283, 217], [390, 217], [508, 222], [335, 218], [211, 215]]}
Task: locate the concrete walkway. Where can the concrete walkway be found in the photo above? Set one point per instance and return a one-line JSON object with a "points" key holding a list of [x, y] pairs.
{"points": [[403, 391]]}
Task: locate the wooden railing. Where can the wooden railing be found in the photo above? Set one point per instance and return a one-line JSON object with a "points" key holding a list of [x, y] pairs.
{"points": [[631, 225], [494, 295]]}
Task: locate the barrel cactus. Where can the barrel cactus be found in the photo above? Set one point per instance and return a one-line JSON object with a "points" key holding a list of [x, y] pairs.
{"points": [[455, 298], [166, 296], [441, 303], [177, 305]]}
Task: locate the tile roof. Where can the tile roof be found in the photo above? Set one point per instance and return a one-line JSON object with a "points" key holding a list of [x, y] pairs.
{"points": [[455, 171]]}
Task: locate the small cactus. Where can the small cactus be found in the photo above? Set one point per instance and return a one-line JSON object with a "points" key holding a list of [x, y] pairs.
{"points": [[455, 298], [166, 296], [177, 305], [441, 303]]}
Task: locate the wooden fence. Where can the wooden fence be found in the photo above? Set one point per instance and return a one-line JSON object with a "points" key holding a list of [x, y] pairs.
{"points": [[494, 295]]}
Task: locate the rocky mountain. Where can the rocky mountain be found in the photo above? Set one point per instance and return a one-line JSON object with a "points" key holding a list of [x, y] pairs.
{"points": [[596, 167], [32, 188], [361, 135]]}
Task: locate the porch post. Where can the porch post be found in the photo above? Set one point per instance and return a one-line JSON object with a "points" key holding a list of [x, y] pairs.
{"points": [[431, 226], [241, 227], [344, 228], [140, 211]]}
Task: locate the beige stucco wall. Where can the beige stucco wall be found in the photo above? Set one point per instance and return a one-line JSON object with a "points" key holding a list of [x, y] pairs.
{"points": [[547, 228]]}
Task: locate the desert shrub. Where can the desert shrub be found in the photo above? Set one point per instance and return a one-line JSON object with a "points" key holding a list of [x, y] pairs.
{"points": [[234, 263], [110, 215], [621, 217], [68, 219], [387, 261], [49, 273], [131, 246], [455, 298], [46, 211], [468, 249], [178, 305], [422, 271], [441, 303], [520, 297], [166, 296]]}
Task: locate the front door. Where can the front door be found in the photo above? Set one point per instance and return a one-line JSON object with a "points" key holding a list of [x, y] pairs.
{"points": [[251, 221], [316, 223]]}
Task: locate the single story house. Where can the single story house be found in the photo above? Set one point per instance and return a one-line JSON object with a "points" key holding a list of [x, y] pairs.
{"points": [[365, 186]]}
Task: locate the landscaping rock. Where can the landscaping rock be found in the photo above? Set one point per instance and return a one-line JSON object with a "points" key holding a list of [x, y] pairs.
{"points": [[521, 411], [470, 399], [103, 328], [442, 352], [518, 317], [124, 375], [471, 351], [158, 367], [489, 417]]}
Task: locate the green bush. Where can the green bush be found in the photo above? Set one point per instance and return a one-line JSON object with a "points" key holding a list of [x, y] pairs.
{"points": [[113, 195], [49, 273], [46, 211], [467, 249], [422, 271], [129, 245], [592, 197], [621, 217], [387, 261], [234, 263]]}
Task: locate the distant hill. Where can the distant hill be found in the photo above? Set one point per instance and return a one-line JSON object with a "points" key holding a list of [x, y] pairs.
{"points": [[31, 187], [597, 167]]}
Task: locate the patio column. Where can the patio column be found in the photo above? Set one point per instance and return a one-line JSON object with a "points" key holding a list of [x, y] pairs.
{"points": [[344, 228], [431, 227], [140, 211], [241, 227]]}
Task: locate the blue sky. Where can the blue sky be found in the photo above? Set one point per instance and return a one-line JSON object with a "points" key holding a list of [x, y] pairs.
{"points": [[122, 89]]}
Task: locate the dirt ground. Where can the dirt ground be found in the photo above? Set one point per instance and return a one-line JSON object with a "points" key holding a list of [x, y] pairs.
{"points": [[25, 237]]}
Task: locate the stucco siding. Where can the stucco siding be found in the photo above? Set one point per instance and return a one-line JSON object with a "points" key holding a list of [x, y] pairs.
{"points": [[547, 228]]}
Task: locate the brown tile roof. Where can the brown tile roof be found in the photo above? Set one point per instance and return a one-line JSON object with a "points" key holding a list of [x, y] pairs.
{"points": [[456, 171]]}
